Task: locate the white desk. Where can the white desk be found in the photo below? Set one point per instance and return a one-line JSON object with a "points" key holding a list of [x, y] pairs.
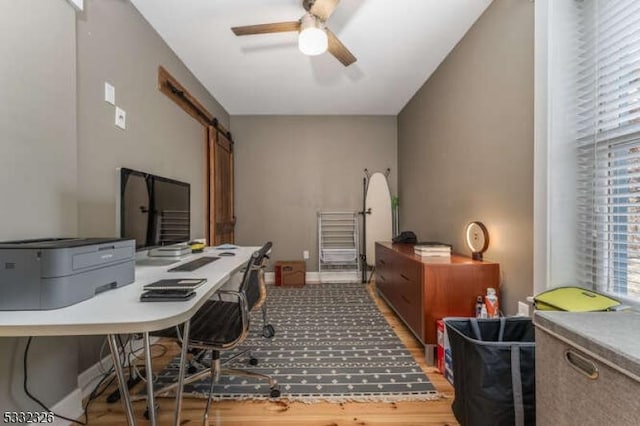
{"points": [[120, 311]]}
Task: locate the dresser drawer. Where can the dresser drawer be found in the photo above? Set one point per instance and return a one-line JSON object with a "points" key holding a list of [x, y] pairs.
{"points": [[384, 267], [384, 259], [407, 269], [408, 293]]}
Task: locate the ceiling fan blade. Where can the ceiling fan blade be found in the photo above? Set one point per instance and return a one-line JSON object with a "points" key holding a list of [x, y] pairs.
{"points": [[278, 27], [324, 8], [337, 49]]}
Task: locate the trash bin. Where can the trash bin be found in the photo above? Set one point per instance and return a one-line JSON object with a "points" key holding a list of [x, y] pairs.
{"points": [[493, 370]]}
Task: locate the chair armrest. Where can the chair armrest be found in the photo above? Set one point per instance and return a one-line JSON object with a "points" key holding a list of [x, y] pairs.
{"points": [[235, 293], [242, 301]]}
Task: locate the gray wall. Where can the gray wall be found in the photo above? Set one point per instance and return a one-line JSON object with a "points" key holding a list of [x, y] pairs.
{"points": [[287, 168], [61, 148], [116, 45], [38, 180], [465, 145]]}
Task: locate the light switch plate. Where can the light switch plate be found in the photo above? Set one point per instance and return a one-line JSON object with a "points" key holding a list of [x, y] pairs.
{"points": [[109, 93], [78, 4], [121, 118]]}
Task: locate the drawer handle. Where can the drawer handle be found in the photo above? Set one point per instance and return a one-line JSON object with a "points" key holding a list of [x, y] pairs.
{"points": [[382, 277], [405, 299], [382, 262], [582, 364], [405, 277]]}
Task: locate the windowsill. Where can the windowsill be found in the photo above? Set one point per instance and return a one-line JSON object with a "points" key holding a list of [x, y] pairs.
{"points": [[632, 304], [625, 302]]}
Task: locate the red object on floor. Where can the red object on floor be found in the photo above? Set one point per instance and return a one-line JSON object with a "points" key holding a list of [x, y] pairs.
{"points": [[278, 273], [440, 348]]}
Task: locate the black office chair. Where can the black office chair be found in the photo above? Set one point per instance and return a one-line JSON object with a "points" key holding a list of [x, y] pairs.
{"points": [[268, 331], [221, 325]]}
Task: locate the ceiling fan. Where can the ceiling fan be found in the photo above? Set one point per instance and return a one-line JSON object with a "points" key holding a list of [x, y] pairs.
{"points": [[314, 38]]}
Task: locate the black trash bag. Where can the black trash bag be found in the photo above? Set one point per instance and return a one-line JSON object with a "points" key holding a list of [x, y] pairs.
{"points": [[488, 390]]}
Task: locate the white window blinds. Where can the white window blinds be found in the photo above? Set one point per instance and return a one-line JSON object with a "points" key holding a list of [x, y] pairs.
{"points": [[608, 145]]}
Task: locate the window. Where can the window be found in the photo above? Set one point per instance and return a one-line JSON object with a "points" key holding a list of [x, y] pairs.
{"points": [[608, 145]]}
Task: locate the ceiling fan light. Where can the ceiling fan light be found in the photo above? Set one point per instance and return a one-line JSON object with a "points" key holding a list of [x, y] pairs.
{"points": [[313, 41], [313, 38]]}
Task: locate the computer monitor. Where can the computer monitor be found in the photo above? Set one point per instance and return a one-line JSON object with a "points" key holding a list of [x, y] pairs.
{"points": [[153, 210]]}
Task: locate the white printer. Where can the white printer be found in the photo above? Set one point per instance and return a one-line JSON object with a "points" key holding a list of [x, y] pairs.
{"points": [[55, 272]]}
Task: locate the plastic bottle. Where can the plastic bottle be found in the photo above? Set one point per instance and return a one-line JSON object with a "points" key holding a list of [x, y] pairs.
{"points": [[478, 306], [483, 311], [491, 302]]}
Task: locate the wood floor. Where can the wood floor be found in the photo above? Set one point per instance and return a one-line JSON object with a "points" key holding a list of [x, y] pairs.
{"points": [[267, 413]]}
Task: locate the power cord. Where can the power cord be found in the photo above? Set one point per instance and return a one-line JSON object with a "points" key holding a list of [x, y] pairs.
{"points": [[92, 396], [140, 375], [24, 383], [110, 373], [133, 353], [95, 394]]}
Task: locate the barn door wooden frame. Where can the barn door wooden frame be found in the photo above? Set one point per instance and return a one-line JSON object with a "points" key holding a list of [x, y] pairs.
{"points": [[222, 217], [219, 214]]}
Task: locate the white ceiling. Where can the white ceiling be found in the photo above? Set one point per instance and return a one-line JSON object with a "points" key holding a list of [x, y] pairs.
{"points": [[398, 45]]}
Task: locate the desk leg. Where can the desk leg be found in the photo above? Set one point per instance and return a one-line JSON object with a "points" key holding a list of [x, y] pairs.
{"points": [[183, 361], [122, 383], [151, 402]]}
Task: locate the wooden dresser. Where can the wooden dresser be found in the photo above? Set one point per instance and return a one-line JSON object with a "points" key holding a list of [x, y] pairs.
{"points": [[422, 290]]}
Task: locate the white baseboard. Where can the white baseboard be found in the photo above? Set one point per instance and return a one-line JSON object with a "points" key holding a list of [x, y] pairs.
{"points": [[314, 277], [89, 378], [71, 405], [339, 277], [310, 277]]}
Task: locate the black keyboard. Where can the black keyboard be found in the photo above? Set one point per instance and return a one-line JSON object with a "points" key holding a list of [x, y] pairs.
{"points": [[194, 264]]}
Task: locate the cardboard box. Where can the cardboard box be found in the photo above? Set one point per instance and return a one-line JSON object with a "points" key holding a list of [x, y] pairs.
{"points": [[290, 273], [448, 366]]}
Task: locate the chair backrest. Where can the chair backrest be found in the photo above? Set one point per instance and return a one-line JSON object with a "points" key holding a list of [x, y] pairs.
{"points": [[250, 285]]}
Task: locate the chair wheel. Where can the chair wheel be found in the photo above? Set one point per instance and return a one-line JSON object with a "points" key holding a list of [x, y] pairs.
{"points": [[253, 361], [146, 412], [268, 331], [275, 393]]}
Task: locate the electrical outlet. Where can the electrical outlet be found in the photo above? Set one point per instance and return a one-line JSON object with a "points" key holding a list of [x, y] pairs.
{"points": [[523, 309], [121, 118], [305, 254]]}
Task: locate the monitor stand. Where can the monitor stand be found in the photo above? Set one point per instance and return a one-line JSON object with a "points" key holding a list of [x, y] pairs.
{"points": [[156, 261], [174, 251]]}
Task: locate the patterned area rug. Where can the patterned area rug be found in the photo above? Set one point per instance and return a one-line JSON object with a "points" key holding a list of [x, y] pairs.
{"points": [[331, 343]]}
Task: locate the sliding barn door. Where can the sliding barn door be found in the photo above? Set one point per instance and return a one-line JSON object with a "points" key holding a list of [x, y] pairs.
{"points": [[221, 216]]}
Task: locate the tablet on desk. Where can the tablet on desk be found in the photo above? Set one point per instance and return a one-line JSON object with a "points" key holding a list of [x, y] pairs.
{"points": [[182, 284], [167, 295]]}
